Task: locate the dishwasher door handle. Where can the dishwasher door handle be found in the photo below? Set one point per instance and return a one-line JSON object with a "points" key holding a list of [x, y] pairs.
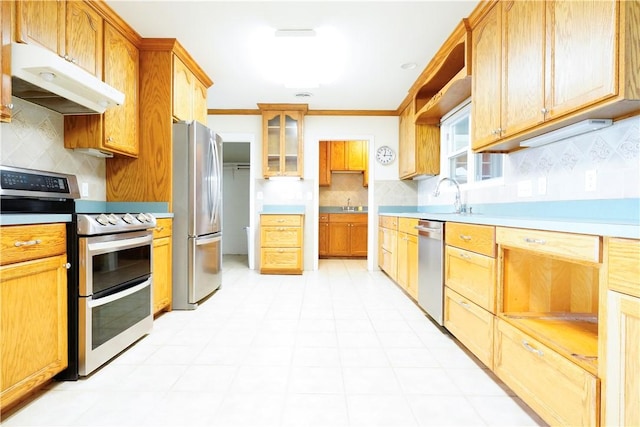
{"points": [[428, 229]]}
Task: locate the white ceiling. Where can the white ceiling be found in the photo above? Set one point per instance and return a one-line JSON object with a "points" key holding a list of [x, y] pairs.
{"points": [[380, 36]]}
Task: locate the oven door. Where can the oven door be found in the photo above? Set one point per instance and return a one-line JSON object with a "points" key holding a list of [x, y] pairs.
{"points": [[115, 304]]}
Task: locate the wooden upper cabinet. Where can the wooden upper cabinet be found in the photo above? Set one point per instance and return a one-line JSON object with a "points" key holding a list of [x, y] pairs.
{"points": [[84, 37], [121, 66], [324, 172], [349, 155], [5, 62], [539, 66], [486, 81], [42, 23], [419, 146], [522, 84], [578, 72], [183, 80], [200, 102], [282, 139]]}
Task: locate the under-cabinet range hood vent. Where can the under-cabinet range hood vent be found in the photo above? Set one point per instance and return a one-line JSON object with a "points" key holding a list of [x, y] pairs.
{"points": [[44, 78]]}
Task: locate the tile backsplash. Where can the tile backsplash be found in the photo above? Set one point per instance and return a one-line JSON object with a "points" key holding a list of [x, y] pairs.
{"points": [[557, 171], [34, 139], [344, 186]]}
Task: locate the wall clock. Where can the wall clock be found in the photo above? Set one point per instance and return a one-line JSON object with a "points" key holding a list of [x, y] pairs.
{"points": [[385, 155]]}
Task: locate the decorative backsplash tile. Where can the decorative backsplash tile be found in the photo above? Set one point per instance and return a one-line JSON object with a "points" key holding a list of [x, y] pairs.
{"points": [[344, 186], [613, 152], [35, 139]]}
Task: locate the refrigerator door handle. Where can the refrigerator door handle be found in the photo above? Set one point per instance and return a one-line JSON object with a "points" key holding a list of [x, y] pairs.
{"points": [[200, 241], [209, 179], [218, 179]]}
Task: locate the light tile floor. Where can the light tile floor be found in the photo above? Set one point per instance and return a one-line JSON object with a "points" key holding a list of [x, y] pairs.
{"points": [[341, 346]]}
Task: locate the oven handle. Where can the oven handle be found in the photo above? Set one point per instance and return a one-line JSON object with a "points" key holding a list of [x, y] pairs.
{"points": [[125, 243], [106, 300]]}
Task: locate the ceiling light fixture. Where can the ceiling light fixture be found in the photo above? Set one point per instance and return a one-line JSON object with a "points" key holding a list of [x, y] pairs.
{"points": [[303, 95], [408, 65], [567, 132]]}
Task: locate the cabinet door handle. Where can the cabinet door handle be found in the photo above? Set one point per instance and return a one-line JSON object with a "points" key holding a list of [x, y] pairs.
{"points": [[544, 110], [464, 305], [464, 256], [27, 243], [9, 106], [109, 139], [67, 265], [465, 237], [528, 347], [159, 228], [536, 241]]}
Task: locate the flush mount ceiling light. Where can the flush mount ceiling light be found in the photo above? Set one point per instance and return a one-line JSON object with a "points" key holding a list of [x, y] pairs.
{"points": [[299, 58], [567, 132], [408, 65], [303, 95]]}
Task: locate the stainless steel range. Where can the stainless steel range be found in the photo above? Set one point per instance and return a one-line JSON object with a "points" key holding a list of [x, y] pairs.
{"points": [[115, 282]]}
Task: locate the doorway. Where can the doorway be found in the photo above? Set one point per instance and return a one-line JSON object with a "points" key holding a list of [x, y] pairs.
{"points": [[236, 198]]}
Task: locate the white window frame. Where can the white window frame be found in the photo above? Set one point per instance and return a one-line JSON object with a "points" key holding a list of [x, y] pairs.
{"points": [[447, 153]]}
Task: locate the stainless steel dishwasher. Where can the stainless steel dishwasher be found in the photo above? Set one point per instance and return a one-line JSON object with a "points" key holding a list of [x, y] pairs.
{"points": [[431, 268]]}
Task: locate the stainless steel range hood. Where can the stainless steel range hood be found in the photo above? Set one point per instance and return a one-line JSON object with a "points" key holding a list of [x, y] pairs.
{"points": [[44, 78]]}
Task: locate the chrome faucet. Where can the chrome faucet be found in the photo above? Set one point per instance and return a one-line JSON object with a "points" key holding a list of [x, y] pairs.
{"points": [[348, 202], [456, 204]]}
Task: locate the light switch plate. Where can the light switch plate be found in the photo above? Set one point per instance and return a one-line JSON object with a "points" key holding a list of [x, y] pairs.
{"points": [[84, 189], [542, 185]]}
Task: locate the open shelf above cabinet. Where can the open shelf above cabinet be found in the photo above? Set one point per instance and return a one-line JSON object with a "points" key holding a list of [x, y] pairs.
{"points": [[446, 81]]}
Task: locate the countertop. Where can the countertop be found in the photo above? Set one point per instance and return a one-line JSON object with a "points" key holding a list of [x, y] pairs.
{"points": [[338, 209], [568, 225]]}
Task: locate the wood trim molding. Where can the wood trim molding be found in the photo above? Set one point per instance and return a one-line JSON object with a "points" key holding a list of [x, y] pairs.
{"points": [[114, 19], [173, 45], [249, 112]]}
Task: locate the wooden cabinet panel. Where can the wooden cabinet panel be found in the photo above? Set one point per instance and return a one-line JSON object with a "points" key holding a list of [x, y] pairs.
{"points": [[28, 242], [200, 113], [339, 236], [281, 220], [42, 23], [337, 151], [476, 238], [623, 266], [6, 104], [418, 146], [486, 79], [323, 235], [470, 324], [356, 155], [569, 24], [522, 77], [358, 240], [282, 237], [559, 391], [471, 275], [567, 245], [388, 245], [33, 325], [324, 173], [281, 261], [407, 263], [84, 37], [182, 90], [347, 235], [408, 225], [162, 265], [121, 66], [390, 222], [623, 356]]}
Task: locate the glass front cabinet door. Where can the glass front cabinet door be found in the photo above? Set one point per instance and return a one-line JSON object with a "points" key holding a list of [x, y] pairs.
{"points": [[282, 139]]}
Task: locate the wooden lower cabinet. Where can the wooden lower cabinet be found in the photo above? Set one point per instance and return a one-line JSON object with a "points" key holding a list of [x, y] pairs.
{"points": [[472, 275], [347, 235], [407, 256], [281, 244], [560, 391], [323, 235], [471, 324], [162, 272], [33, 309], [388, 245]]}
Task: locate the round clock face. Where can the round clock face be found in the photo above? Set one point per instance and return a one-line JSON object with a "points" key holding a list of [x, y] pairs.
{"points": [[385, 155]]}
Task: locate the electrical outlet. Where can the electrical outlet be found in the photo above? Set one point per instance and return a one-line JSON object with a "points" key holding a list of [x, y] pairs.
{"points": [[590, 180], [524, 188], [542, 186], [84, 189]]}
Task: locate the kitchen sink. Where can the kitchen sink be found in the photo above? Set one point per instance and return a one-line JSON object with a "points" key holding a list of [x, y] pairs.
{"points": [[348, 208]]}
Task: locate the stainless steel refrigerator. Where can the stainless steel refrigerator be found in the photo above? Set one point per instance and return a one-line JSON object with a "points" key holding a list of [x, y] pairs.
{"points": [[197, 209]]}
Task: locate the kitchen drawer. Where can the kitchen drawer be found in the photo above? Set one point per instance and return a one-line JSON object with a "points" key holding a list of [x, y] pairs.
{"points": [[476, 238], [472, 275], [623, 265], [577, 247], [387, 262], [163, 228], [281, 260], [388, 239], [28, 242], [281, 220], [283, 237], [408, 225], [360, 218], [560, 391], [470, 324], [390, 222], [324, 217]]}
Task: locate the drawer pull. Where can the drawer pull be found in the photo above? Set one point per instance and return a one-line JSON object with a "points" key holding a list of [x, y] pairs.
{"points": [[464, 256], [28, 243], [464, 305], [280, 220], [67, 265], [584, 357], [280, 251], [465, 237], [528, 347], [159, 228], [536, 241]]}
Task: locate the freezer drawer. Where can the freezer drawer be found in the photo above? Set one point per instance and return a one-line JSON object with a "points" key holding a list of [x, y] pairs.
{"points": [[206, 266]]}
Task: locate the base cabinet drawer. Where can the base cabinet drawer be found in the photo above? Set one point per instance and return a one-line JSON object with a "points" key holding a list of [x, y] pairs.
{"points": [[281, 260], [470, 324], [472, 275], [560, 391], [281, 236]]}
